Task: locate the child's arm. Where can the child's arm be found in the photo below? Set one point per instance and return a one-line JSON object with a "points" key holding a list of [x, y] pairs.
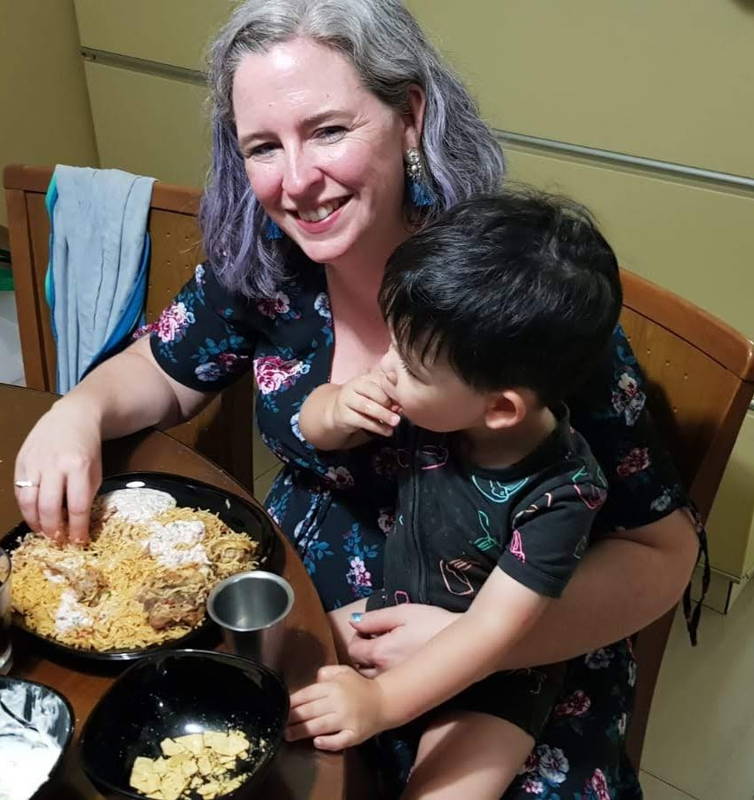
{"points": [[338, 417], [344, 708]]}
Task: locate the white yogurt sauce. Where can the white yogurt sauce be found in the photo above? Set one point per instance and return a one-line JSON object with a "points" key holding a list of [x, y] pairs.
{"points": [[27, 755], [137, 505], [178, 543], [71, 614]]}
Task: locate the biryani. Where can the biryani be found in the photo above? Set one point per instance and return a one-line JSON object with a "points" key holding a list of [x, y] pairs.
{"points": [[142, 580]]}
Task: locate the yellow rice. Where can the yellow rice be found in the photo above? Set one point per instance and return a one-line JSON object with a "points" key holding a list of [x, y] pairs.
{"points": [[118, 550]]}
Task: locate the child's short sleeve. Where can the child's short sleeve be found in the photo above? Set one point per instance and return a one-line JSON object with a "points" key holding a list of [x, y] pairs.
{"points": [[550, 534]]}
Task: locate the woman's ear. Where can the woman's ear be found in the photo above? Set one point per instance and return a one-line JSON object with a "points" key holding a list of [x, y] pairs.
{"points": [[506, 409], [413, 119]]}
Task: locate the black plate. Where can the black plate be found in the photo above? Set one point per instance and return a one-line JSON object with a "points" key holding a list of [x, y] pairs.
{"points": [[236, 513], [174, 693]]}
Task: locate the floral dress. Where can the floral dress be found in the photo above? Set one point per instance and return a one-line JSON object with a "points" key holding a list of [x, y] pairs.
{"points": [[337, 507]]}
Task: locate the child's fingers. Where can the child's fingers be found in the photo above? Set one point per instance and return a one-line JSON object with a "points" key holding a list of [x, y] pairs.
{"points": [[335, 741], [332, 671], [312, 727], [307, 711], [372, 409], [315, 691]]}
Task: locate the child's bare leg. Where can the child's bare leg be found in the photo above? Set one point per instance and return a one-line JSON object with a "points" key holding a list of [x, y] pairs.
{"points": [[342, 631], [467, 754]]}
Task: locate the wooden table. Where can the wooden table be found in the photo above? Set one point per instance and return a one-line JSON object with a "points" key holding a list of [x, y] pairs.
{"points": [[299, 771]]}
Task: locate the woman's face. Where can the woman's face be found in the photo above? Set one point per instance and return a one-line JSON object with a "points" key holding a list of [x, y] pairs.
{"points": [[324, 155]]}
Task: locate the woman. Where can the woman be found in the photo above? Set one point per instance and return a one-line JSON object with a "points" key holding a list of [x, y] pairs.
{"points": [[336, 132]]}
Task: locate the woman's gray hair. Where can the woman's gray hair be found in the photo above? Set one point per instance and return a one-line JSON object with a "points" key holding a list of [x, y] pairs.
{"points": [[389, 51]]}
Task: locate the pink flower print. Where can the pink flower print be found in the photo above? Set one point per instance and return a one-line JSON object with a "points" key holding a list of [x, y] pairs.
{"points": [[531, 763], [628, 385], [273, 373], [517, 547], [553, 765], [532, 786], [385, 462], [599, 659], [574, 706], [636, 461], [271, 307], [173, 321], [228, 360], [598, 784], [358, 574], [386, 520], [340, 476]]}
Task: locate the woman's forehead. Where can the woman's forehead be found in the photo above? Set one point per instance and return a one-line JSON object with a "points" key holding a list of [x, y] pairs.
{"points": [[296, 74]]}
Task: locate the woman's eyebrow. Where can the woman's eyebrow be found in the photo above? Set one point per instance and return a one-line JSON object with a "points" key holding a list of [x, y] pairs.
{"points": [[308, 122]]}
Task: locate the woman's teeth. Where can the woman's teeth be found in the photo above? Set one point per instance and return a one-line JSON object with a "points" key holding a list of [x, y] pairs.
{"points": [[320, 213]]}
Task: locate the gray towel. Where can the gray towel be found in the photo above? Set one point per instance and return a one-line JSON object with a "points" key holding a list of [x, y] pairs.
{"points": [[98, 226]]}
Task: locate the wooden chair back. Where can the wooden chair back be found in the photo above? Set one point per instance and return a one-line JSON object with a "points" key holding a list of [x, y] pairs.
{"points": [[223, 430], [700, 375]]}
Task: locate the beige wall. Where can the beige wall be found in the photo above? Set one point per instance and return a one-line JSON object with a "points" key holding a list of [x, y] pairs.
{"points": [[44, 106]]}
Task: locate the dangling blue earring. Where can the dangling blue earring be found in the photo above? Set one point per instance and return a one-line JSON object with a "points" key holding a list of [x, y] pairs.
{"points": [[419, 194], [272, 230]]}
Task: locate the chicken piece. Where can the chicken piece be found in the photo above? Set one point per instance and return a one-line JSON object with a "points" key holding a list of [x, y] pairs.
{"points": [[84, 579], [175, 599]]}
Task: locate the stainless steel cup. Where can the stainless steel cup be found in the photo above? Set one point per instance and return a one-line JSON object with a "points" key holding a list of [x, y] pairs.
{"points": [[6, 652], [251, 608]]}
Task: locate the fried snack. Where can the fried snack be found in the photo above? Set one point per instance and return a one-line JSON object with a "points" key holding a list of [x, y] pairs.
{"points": [[203, 763]]}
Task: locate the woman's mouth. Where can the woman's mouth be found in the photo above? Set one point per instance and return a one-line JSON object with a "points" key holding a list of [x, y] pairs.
{"points": [[317, 218]]}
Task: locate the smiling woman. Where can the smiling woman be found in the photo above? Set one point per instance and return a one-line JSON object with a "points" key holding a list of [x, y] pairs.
{"points": [[332, 180], [337, 132]]}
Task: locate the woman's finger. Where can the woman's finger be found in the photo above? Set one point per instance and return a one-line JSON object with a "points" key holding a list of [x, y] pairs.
{"points": [[27, 497], [50, 504], [379, 621], [80, 492]]}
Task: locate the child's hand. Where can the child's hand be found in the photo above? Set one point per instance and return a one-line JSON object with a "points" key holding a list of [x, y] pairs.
{"points": [[363, 404], [341, 710]]}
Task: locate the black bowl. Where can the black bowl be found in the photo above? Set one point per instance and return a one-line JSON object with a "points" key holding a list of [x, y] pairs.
{"points": [[26, 708], [174, 693], [236, 513]]}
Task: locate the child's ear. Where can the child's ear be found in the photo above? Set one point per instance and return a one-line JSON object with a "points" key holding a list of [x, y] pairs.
{"points": [[506, 409]]}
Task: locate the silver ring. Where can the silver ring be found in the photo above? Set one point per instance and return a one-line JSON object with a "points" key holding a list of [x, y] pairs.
{"points": [[26, 484]]}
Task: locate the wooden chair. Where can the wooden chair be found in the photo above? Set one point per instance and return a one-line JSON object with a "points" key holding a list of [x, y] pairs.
{"points": [[700, 373], [223, 431]]}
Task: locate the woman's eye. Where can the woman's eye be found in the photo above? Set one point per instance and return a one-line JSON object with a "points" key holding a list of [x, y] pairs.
{"points": [[331, 133], [259, 150]]}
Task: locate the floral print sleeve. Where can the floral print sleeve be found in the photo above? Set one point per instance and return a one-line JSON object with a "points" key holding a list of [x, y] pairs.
{"points": [[610, 412], [205, 338]]}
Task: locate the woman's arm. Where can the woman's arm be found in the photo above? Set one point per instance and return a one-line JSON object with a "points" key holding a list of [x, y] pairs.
{"points": [[623, 583], [62, 453]]}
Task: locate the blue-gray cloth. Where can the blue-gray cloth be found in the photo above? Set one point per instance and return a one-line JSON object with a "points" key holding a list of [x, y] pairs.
{"points": [[96, 279]]}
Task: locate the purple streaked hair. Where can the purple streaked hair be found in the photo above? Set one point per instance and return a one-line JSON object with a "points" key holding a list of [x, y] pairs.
{"points": [[390, 53]]}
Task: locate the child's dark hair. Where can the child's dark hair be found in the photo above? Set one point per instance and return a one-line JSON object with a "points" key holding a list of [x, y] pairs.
{"points": [[517, 289]]}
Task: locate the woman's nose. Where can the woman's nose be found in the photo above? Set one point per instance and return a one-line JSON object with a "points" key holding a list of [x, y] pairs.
{"points": [[300, 175]]}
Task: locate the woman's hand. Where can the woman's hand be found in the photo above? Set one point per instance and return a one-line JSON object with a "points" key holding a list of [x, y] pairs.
{"points": [[62, 458], [387, 636]]}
